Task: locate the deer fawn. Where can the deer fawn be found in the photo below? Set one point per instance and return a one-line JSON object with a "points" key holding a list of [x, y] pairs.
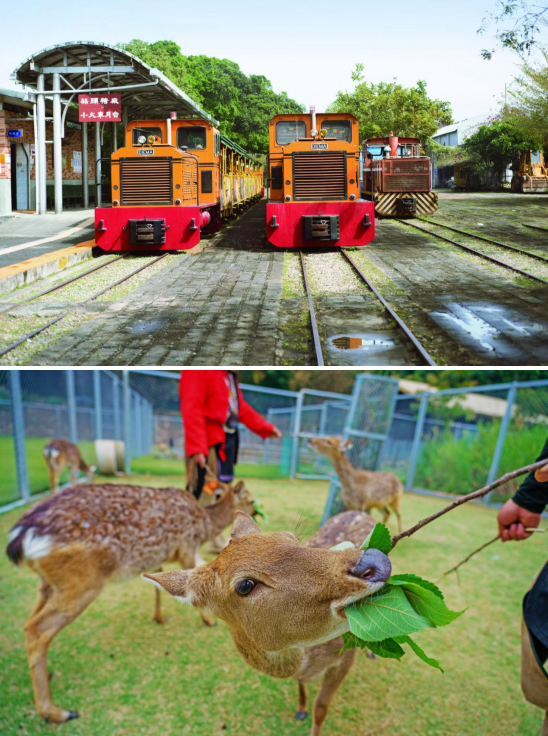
{"points": [[284, 604], [60, 454], [361, 489], [88, 535]]}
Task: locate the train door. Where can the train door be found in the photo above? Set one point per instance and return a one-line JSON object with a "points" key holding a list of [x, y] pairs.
{"points": [[19, 177]]}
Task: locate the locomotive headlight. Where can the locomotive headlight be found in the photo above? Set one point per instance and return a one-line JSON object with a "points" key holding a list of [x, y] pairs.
{"points": [[323, 133], [151, 139], [141, 140], [287, 198], [352, 197]]}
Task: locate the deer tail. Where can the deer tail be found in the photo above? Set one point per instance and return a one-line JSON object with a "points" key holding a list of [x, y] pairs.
{"points": [[14, 549]]}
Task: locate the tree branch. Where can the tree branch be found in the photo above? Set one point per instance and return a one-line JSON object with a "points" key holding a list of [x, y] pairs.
{"points": [[469, 497]]}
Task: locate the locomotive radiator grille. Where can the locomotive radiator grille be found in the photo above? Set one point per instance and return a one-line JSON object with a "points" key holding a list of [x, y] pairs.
{"points": [[320, 175], [403, 183], [190, 184], [146, 181]]}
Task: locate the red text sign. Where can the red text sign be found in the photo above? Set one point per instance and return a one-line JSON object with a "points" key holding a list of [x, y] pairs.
{"points": [[102, 107]]}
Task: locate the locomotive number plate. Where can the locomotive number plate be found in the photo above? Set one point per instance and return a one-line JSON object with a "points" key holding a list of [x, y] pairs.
{"points": [[319, 146], [145, 151]]}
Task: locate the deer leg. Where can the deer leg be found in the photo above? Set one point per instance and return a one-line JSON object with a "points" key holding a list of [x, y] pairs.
{"points": [[73, 475], [330, 684], [158, 616], [52, 481], [385, 514], [302, 708], [53, 613], [396, 509]]}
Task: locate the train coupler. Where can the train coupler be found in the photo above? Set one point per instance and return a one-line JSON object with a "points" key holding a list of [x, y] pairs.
{"points": [[406, 205], [147, 232], [320, 227]]}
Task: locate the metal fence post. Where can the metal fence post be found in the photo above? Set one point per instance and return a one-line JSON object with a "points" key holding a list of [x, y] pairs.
{"points": [[127, 420], [417, 438], [71, 406], [295, 449], [139, 425], [266, 450], [98, 405], [18, 422], [503, 431], [116, 401]]}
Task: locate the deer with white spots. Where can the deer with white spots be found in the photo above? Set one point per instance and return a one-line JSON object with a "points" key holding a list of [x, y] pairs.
{"points": [[284, 602], [361, 489], [85, 536], [61, 454]]}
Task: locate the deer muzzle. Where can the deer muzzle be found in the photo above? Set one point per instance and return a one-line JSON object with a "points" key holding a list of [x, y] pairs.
{"points": [[373, 566]]}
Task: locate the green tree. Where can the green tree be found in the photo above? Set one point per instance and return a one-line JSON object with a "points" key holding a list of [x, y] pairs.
{"points": [[497, 145], [527, 108], [242, 104], [518, 24], [389, 106]]}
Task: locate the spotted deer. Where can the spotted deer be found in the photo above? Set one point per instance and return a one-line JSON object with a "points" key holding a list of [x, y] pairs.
{"points": [[61, 454], [85, 536], [361, 489], [283, 603]]}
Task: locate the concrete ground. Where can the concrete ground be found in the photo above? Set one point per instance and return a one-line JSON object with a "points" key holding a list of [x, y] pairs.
{"points": [[26, 236]]}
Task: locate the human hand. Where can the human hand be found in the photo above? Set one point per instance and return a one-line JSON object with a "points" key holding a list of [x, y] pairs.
{"points": [[200, 459], [275, 433], [513, 520], [542, 474]]}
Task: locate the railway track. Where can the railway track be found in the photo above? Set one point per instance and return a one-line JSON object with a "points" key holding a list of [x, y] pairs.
{"points": [[480, 253], [418, 347], [452, 208], [38, 330]]}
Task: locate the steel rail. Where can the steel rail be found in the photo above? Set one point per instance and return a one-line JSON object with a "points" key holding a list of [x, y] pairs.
{"points": [[486, 240], [38, 330], [417, 345], [10, 307], [476, 252], [315, 333], [535, 227]]}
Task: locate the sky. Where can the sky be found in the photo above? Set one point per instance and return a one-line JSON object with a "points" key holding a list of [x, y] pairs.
{"points": [[307, 49]]}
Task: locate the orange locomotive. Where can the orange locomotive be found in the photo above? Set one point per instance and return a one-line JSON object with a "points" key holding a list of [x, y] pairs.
{"points": [[173, 180], [314, 177], [396, 178]]}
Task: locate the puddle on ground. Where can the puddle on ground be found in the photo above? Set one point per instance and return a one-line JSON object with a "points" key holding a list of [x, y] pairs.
{"points": [[352, 342], [143, 328]]}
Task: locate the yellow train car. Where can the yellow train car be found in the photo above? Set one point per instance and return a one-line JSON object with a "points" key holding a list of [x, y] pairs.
{"points": [[172, 181]]}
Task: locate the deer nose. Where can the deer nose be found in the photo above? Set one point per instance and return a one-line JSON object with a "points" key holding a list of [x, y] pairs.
{"points": [[373, 566]]}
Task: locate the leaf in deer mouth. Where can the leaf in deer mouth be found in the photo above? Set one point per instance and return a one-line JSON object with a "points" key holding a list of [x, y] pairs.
{"points": [[379, 538], [259, 510], [384, 614]]}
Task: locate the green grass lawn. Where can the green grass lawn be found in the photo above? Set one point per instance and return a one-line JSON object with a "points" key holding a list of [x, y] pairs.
{"points": [[126, 675]]}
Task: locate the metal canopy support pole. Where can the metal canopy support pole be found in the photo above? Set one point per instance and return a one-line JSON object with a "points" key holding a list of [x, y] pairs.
{"points": [[296, 432], [85, 172], [36, 161], [71, 406], [503, 431], [41, 159], [57, 145], [114, 137], [417, 439], [18, 423], [97, 164], [127, 421], [98, 406]]}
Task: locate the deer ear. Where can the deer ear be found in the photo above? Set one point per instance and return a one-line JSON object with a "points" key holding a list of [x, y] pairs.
{"points": [[244, 524], [239, 488], [177, 583], [345, 445]]}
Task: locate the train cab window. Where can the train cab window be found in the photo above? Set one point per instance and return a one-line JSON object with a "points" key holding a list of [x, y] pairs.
{"points": [[339, 129], [375, 151], [138, 132], [288, 131], [535, 157], [193, 137]]}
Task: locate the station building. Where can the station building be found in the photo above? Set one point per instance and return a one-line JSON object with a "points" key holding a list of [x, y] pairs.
{"points": [[50, 155]]}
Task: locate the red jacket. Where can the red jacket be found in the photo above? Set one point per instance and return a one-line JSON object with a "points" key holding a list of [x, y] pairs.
{"points": [[204, 408]]}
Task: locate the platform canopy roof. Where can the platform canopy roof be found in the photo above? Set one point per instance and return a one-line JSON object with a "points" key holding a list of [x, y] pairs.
{"points": [[87, 66]]}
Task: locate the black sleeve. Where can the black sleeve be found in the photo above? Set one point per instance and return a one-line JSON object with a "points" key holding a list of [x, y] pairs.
{"points": [[533, 495]]}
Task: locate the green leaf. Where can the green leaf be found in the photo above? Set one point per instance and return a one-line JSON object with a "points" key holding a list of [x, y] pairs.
{"points": [[342, 545], [259, 510], [378, 539], [409, 577], [388, 649], [384, 614], [350, 641], [418, 651], [429, 605]]}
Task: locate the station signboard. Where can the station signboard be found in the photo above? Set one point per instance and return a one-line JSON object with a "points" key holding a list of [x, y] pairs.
{"points": [[99, 107]]}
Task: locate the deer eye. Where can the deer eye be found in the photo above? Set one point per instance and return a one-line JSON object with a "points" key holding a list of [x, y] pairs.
{"points": [[245, 587]]}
